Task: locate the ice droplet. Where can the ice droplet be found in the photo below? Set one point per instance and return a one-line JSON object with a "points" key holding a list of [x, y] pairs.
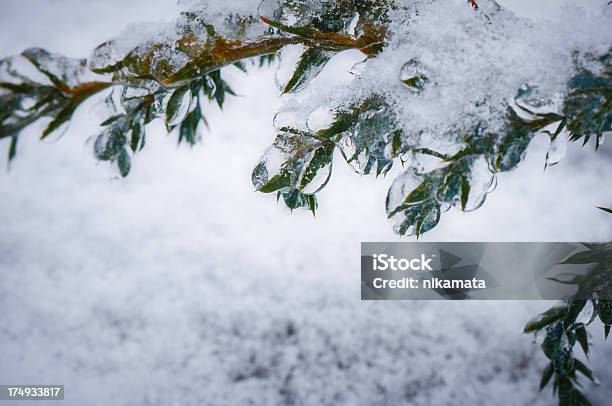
{"points": [[132, 97], [531, 102], [365, 144], [481, 180], [587, 314], [161, 61], [294, 162], [109, 144], [317, 171], [413, 75], [177, 105], [557, 149], [105, 57], [400, 188]]}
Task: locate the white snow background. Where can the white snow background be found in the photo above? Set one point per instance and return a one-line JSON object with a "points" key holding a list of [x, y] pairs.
{"points": [[182, 286]]}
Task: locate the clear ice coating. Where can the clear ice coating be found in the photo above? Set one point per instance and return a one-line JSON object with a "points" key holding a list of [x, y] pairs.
{"points": [[163, 62], [109, 144], [281, 11], [68, 71], [18, 69], [366, 146], [414, 75], [106, 56], [558, 148], [289, 13], [587, 314], [365, 133], [177, 105], [415, 200], [311, 63], [530, 103], [39, 84], [410, 205], [324, 16], [288, 60], [401, 187], [320, 118], [294, 161], [480, 180]]}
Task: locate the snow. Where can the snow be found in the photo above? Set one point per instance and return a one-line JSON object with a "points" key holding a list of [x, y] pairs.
{"points": [[180, 285], [469, 57]]}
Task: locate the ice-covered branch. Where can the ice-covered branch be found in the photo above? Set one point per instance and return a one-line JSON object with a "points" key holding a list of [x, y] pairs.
{"points": [[453, 90]]}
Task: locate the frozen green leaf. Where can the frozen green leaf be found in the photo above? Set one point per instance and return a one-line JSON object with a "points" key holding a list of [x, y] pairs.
{"points": [[221, 87], [546, 375], [109, 144], [585, 370], [604, 311], [581, 336], [607, 210], [294, 199], [311, 63], [588, 106], [295, 161], [178, 105], [124, 163], [465, 191], [188, 130], [63, 117], [569, 279], [13, 148], [591, 256], [551, 315], [240, 65], [136, 136], [364, 133]]}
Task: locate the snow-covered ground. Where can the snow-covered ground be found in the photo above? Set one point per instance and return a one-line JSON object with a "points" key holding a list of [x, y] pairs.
{"points": [[181, 286]]}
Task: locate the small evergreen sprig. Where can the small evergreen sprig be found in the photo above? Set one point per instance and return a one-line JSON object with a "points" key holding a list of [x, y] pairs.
{"points": [[566, 324]]}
